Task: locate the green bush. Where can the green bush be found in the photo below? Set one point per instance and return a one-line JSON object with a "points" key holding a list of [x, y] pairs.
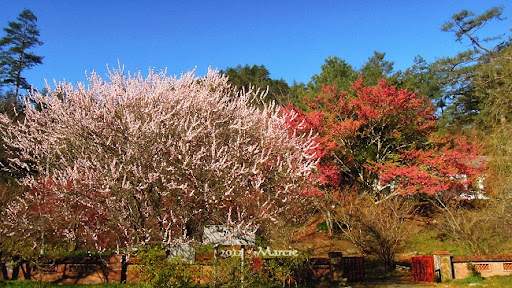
{"points": [[157, 271], [322, 226], [274, 272], [474, 272]]}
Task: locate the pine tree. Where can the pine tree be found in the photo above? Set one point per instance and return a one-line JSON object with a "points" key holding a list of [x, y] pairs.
{"points": [[15, 56]]}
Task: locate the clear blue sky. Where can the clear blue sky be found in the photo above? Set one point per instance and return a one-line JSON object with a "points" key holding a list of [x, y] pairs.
{"points": [[291, 38]]}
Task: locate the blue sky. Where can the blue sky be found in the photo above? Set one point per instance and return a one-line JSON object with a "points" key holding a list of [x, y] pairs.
{"points": [[291, 38]]}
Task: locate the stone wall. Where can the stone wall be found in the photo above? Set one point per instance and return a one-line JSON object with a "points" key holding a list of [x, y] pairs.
{"points": [[88, 270], [448, 267], [487, 265], [96, 270]]}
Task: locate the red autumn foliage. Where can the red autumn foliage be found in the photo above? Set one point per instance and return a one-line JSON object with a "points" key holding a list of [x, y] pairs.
{"points": [[61, 212], [300, 122], [452, 165], [383, 139]]}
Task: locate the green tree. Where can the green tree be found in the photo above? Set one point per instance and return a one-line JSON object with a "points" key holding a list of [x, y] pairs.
{"points": [[258, 76], [376, 68], [15, 55], [465, 24], [335, 72], [457, 74], [494, 84], [421, 78], [297, 93], [479, 82]]}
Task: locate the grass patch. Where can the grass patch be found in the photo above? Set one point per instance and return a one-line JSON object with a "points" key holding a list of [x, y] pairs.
{"points": [[495, 281], [424, 242], [468, 280], [502, 281], [491, 282], [33, 284]]}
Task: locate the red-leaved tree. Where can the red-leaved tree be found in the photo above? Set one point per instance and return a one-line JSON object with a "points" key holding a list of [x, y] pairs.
{"points": [[381, 140]]}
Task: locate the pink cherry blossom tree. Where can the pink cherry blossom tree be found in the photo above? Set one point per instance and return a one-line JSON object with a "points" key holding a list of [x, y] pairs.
{"points": [[134, 160]]}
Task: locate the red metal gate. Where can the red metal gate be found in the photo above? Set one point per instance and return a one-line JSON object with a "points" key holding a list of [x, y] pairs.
{"points": [[423, 269]]}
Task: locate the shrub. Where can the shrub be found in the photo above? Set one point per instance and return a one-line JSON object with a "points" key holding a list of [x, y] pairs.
{"points": [[158, 271]]}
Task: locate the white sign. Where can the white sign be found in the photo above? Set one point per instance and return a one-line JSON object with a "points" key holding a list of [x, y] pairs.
{"points": [[186, 251], [222, 235]]}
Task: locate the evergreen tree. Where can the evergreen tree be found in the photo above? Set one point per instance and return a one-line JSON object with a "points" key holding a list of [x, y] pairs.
{"points": [[257, 76], [377, 68], [335, 71], [464, 102], [421, 77], [15, 56]]}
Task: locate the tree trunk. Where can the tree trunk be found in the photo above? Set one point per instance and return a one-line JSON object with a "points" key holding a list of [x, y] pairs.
{"points": [[3, 268], [18, 81], [16, 268], [27, 273]]}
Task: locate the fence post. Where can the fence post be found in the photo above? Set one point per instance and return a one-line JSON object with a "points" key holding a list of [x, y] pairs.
{"points": [[215, 264], [443, 264], [242, 258], [336, 263], [124, 267]]}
